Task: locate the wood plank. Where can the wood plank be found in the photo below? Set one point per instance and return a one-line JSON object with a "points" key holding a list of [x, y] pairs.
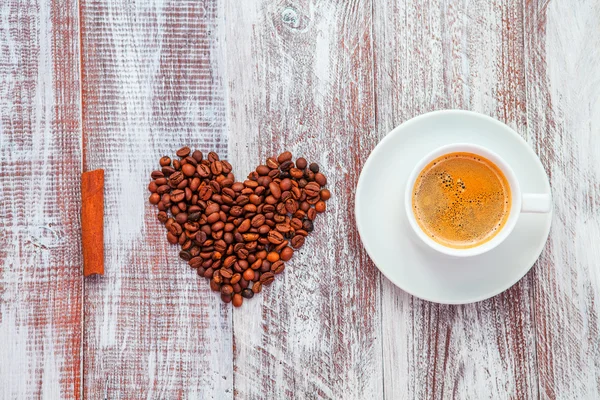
{"points": [[40, 165], [447, 54], [152, 84], [562, 45], [300, 78]]}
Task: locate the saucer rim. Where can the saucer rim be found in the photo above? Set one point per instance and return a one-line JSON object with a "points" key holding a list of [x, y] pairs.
{"points": [[403, 126]]}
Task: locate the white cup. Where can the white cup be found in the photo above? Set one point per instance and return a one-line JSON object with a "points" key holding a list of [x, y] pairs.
{"points": [[521, 202]]}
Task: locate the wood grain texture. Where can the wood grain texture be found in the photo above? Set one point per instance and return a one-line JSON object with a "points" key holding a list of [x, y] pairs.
{"points": [[300, 78], [152, 84], [40, 165], [469, 55], [562, 45]]}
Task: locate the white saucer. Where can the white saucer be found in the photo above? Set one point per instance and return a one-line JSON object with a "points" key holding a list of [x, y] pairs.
{"points": [[393, 246]]}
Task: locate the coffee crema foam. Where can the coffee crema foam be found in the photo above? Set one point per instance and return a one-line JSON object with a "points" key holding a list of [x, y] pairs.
{"points": [[461, 200]]}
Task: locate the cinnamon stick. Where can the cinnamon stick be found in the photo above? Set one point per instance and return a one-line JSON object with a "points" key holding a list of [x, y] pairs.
{"points": [[92, 221]]}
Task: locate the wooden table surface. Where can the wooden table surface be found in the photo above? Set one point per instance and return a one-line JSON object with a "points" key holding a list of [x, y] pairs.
{"points": [[115, 84]]}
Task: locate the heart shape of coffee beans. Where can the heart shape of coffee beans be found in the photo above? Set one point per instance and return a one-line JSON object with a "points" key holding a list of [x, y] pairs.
{"points": [[237, 234]]}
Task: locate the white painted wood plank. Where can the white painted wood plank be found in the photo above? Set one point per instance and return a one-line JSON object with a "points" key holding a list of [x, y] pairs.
{"points": [[300, 78], [40, 166], [152, 84], [563, 117], [453, 54]]}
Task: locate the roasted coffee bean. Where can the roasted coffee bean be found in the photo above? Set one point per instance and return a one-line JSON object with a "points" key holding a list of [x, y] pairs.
{"points": [[301, 163], [215, 286], [165, 161], [285, 156], [226, 273], [244, 226], [185, 255], [220, 246], [237, 300], [195, 262], [297, 241], [314, 167], [177, 195], [250, 237], [205, 192], [189, 160], [237, 186], [278, 267], [212, 208], [156, 174], [237, 288], [183, 152], [175, 229], [253, 176], [227, 190], [171, 238], [176, 178], [163, 189], [194, 216], [203, 170], [247, 293], [283, 228], [258, 220], [226, 298], [227, 289], [248, 274], [257, 287], [286, 166], [262, 170], [162, 217], [311, 214], [251, 184], [275, 237], [308, 225], [197, 155], [181, 218], [161, 181], [296, 223], [215, 186], [296, 173], [304, 206], [188, 170], [216, 168], [212, 157], [267, 278], [320, 206], [227, 168], [167, 171], [275, 190], [229, 261], [201, 237], [154, 198], [286, 254], [273, 256], [296, 193], [320, 179], [242, 253], [152, 187], [312, 189], [291, 206], [272, 163]]}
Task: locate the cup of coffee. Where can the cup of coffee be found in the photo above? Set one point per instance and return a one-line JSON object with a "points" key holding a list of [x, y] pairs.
{"points": [[463, 200]]}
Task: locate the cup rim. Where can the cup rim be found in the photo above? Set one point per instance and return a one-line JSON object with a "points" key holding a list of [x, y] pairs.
{"points": [[515, 191]]}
